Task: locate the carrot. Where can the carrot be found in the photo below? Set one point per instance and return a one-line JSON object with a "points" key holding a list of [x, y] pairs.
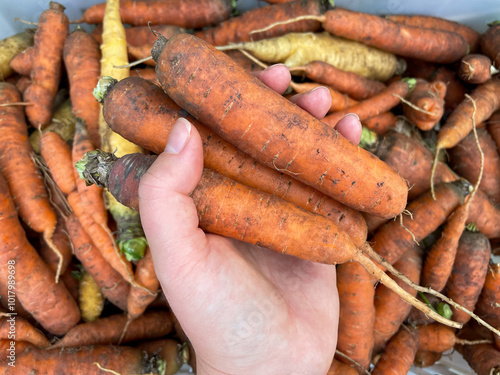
{"points": [[145, 275], [425, 104], [140, 35], [484, 359], [112, 285], [31, 280], [475, 68], [425, 358], [81, 56], [339, 368], [356, 86], [382, 123], [16, 328], [464, 159], [272, 139], [69, 278], [490, 43], [23, 83], [487, 305], [107, 331], [91, 300], [147, 73], [424, 216], [53, 27], [243, 28], [469, 272], [154, 114], [356, 313], [57, 154], [390, 310], [245, 61], [298, 49], [170, 351], [399, 353], [11, 46], [340, 101], [188, 14], [61, 241], [22, 63], [377, 104], [426, 44], [493, 127], [431, 22]]}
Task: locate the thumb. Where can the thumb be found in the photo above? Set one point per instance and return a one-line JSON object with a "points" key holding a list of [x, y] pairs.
{"points": [[168, 214]]}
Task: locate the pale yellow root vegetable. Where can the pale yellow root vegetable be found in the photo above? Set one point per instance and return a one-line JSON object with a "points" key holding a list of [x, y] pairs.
{"points": [[11, 46], [91, 300], [298, 49]]}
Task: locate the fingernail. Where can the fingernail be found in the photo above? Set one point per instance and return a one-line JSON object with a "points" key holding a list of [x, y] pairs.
{"points": [[274, 66], [179, 136], [352, 114]]}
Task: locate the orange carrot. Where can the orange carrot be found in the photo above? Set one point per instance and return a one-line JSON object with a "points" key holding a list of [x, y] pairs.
{"points": [[390, 310], [145, 275], [30, 280], [342, 169], [23, 83], [487, 305], [22, 63], [188, 14], [243, 28], [493, 127], [61, 241], [352, 84], [112, 285], [16, 328], [483, 358], [399, 353], [382, 123], [147, 73], [57, 154], [140, 35], [425, 358], [82, 61], [490, 43], [376, 105], [431, 22], [356, 314], [439, 338], [433, 45], [475, 68], [108, 330], [339, 368], [154, 114], [425, 104], [50, 35], [469, 272]]}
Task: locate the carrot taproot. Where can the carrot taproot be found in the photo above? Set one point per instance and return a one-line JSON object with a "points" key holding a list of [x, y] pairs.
{"points": [[340, 368], [356, 313], [108, 330], [489, 43], [10, 47], [432, 22], [424, 106], [243, 28], [188, 14], [424, 216], [390, 310], [139, 299], [493, 127], [53, 27], [465, 159], [475, 68], [377, 104], [267, 131], [57, 155], [340, 101], [399, 353], [298, 49], [112, 285], [22, 62], [356, 86], [16, 328], [426, 358], [426, 44], [469, 272], [154, 114], [35, 288], [487, 305], [61, 241], [81, 57], [382, 123]]}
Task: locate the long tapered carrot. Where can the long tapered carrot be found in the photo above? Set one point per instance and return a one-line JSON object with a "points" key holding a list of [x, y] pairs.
{"points": [[81, 58], [356, 313], [154, 114], [12, 326], [340, 100], [273, 131], [152, 324], [240, 28], [61, 241], [31, 280], [53, 27], [189, 14]]}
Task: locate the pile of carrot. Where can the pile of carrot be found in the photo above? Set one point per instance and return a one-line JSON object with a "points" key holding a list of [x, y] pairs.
{"points": [[417, 202]]}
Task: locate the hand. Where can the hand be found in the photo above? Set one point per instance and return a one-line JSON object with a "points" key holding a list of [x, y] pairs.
{"points": [[245, 309]]}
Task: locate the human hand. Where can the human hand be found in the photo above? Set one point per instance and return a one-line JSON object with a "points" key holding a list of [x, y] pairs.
{"points": [[245, 309]]}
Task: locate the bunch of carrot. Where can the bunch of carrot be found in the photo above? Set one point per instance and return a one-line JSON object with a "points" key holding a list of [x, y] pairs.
{"points": [[397, 206]]}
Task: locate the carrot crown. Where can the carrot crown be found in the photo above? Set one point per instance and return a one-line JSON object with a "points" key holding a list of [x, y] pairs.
{"points": [[103, 86]]}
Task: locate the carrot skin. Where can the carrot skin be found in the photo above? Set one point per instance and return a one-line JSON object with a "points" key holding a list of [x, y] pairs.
{"points": [[273, 131], [61, 241], [339, 368], [425, 358], [490, 44], [433, 45], [188, 14], [22, 63], [153, 126], [484, 359], [381, 124], [486, 306], [475, 68], [24, 331], [436, 337], [429, 97]]}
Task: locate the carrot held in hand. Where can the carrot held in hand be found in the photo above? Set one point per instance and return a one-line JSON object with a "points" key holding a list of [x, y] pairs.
{"points": [[274, 130]]}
